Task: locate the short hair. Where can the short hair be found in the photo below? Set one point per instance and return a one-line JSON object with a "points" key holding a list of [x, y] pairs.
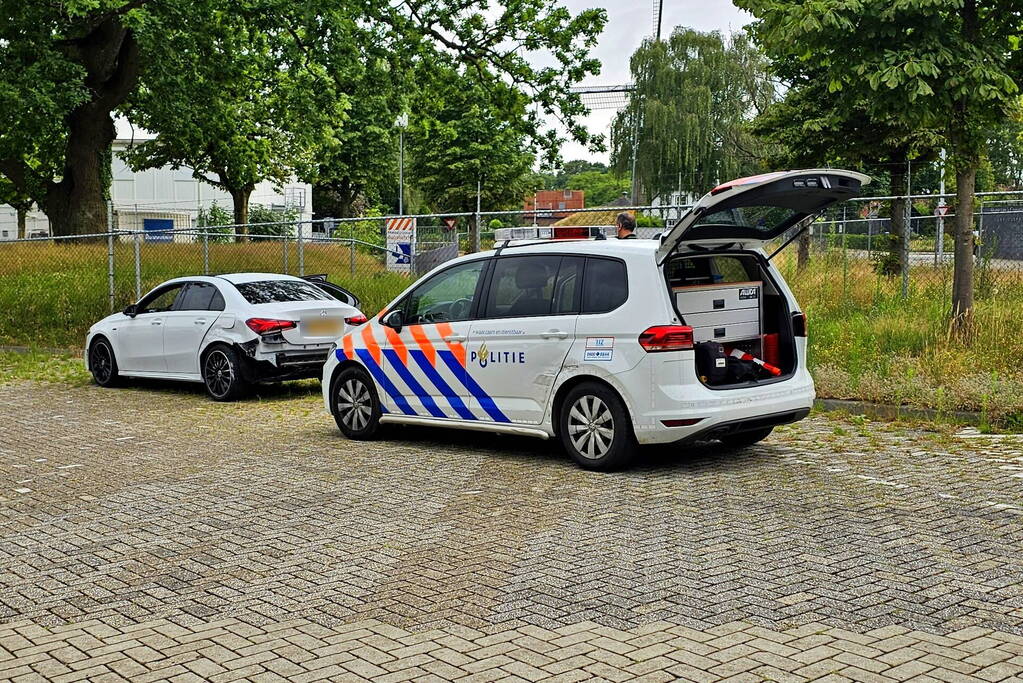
{"points": [[626, 220]]}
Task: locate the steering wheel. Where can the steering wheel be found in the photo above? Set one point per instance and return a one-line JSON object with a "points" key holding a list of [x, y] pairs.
{"points": [[459, 309]]}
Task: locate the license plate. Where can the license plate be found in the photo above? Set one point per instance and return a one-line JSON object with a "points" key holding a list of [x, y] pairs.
{"points": [[322, 328]]}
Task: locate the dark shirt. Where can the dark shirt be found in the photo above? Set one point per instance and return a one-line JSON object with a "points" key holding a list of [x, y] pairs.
{"points": [[630, 236]]}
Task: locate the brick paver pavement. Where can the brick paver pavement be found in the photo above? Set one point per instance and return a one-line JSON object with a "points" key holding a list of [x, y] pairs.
{"points": [[150, 534]]}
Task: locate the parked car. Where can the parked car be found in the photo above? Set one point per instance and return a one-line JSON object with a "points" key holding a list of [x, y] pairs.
{"points": [[604, 344], [334, 289], [226, 331]]}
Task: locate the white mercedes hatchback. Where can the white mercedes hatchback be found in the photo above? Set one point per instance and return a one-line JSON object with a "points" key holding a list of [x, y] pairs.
{"points": [[226, 331], [603, 344]]}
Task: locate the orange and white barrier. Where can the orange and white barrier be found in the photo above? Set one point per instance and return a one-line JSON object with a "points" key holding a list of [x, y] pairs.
{"points": [[742, 355]]}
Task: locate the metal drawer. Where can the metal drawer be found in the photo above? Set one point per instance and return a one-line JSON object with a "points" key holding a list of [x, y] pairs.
{"points": [[727, 332], [703, 298], [723, 318]]}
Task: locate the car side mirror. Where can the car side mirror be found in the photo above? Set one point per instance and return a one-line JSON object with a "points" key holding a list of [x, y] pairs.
{"points": [[131, 311], [395, 320]]}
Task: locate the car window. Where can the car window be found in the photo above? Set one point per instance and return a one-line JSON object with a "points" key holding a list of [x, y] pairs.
{"points": [[197, 297], [730, 269], [217, 303], [606, 286], [568, 285], [159, 301], [445, 297], [275, 291], [522, 286]]}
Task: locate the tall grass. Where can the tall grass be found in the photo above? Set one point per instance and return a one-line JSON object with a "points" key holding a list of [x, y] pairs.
{"points": [[50, 293], [868, 342]]}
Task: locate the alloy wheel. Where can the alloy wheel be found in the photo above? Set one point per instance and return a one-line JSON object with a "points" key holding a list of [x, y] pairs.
{"points": [[100, 362], [354, 404], [219, 374], [591, 427]]}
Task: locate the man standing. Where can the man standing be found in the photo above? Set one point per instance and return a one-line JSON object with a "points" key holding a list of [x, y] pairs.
{"points": [[626, 224]]}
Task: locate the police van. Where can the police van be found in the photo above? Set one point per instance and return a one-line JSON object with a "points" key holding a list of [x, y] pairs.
{"points": [[601, 343]]}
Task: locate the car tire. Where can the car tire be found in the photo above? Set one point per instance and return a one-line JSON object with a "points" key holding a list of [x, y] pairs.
{"points": [[355, 404], [222, 374], [103, 364], [595, 427], [744, 439]]}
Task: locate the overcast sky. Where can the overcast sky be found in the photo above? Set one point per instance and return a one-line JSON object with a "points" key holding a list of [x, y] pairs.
{"points": [[629, 22]]}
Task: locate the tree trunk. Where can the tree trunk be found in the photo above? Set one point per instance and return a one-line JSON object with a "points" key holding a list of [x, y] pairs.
{"points": [[803, 254], [22, 215], [241, 210], [962, 276], [76, 204], [898, 261]]}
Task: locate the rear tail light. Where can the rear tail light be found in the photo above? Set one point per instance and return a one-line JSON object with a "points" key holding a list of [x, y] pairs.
{"points": [[667, 338], [357, 320], [263, 326], [799, 324]]}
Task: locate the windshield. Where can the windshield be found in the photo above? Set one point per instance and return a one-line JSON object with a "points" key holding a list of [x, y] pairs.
{"points": [[275, 291]]}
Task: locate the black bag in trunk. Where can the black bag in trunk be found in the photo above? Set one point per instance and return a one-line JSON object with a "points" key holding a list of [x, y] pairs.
{"points": [[711, 362]]}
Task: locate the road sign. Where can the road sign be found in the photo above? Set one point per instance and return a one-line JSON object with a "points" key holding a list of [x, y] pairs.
{"points": [[450, 223], [942, 210], [401, 238]]}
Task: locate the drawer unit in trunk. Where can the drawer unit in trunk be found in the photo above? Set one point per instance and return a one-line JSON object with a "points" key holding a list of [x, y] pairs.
{"points": [[722, 313], [703, 298]]}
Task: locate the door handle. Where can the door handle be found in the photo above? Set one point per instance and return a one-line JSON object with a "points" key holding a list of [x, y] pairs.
{"points": [[200, 321], [454, 338], [156, 322], [554, 334]]}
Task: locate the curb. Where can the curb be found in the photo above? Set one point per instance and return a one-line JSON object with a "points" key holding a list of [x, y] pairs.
{"points": [[887, 411]]}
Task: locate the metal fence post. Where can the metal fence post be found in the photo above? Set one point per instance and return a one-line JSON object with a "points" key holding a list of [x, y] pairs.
{"points": [[110, 253], [351, 247], [301, 251], [205, 252], [284, 253], [906, 235], [138, 267]]}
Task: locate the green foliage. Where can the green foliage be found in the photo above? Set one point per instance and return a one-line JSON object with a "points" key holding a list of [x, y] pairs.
{"points": [[469, 130], [648, 221], [695, 95], [601, 187], [246, 90]]}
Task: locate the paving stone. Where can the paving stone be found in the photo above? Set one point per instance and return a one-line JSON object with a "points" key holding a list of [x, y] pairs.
{"points": [[248, 541]]}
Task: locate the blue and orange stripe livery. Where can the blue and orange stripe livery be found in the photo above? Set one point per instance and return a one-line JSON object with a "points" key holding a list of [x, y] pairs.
{"points": [[425, 353]]}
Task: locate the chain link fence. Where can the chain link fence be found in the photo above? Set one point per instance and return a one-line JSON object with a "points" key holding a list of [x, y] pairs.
{"points": [[55, 288]]}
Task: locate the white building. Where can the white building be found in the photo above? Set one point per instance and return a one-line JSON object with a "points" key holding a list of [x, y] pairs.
{"points": [[164, 198]]}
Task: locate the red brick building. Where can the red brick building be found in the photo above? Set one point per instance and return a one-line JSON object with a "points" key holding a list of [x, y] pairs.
{"points": [[553, 200]]}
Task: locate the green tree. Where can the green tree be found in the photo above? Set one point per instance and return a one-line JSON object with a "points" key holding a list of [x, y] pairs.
{"points": [[469, 134], [689, 114], [813, 125], [948, 64], [559, 180], [601, 188], [66, 67], [258, 103]]}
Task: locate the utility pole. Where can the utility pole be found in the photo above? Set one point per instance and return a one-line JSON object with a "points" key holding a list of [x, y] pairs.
{"points": [[658, 12], [635, 144], [401, 123]]}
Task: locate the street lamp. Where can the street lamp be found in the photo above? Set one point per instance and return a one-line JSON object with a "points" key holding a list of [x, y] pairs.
{"points": [[401, 123]]}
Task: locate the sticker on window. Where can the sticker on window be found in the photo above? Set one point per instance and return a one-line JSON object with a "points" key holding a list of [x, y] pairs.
{"points": [[598, 354]]}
